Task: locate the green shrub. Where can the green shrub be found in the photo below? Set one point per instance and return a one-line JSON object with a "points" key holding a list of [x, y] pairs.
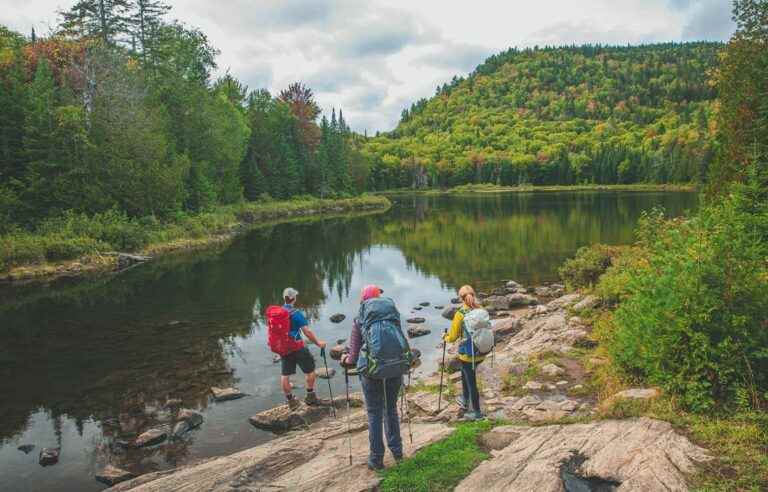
{"points": [[613, 286], [21, 249], [585, 268], [60, 248], [694, 319]]}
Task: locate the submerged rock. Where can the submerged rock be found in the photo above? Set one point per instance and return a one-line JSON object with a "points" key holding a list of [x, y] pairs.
{"points": [[151, 437], [26, 448], [417, 308], [438, 306], [636, 454], [338, 318], [456, 300], [111, 475], [186, 421], [416, 320], [224, 394], [418, 331], [49, 456]]}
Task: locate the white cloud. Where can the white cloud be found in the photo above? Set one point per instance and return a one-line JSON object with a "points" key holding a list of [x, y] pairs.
{"points": [[375, 58]]}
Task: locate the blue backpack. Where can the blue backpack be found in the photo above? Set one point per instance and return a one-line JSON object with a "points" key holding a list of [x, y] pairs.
{"points": [[386, 350]]}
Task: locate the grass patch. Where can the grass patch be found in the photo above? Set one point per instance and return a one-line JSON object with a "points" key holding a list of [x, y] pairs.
{"points": [[441, 465]]}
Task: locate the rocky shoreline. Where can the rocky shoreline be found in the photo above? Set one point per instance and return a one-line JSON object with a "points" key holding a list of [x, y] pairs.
{"points": [[535, 378]]}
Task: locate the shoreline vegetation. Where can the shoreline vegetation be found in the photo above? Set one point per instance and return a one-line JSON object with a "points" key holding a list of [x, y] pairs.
{"points": [[491, 188], [74, 244]]}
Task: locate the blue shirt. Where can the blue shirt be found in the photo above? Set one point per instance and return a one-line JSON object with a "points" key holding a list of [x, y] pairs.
{"points": [[298, 321]]}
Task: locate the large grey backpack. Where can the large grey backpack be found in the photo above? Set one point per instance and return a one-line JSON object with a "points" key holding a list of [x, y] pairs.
{"points": [[477, 325], [386, 350]]}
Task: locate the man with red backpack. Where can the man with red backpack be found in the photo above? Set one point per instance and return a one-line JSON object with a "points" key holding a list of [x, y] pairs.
{"points": [[285, 325]]}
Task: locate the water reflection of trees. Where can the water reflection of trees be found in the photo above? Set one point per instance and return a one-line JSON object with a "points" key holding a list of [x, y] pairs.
{"points": [[114, 349], [490, 237]]}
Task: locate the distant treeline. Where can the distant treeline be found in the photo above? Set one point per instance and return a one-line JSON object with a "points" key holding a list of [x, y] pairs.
{"points": [[571, 115], [117, 111]]}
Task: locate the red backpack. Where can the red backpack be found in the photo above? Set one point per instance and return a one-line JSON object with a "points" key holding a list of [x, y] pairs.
{"points": [[279, 336]]}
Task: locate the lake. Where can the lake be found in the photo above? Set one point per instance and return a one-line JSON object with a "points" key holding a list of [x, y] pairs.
{"points": [[85, 363]]}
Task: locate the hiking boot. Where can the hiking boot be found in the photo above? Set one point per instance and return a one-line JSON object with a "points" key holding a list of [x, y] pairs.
{"points": [[311, 398], [293, 403], [375, 465], [473, 416], [461, 403], [398, 457]]}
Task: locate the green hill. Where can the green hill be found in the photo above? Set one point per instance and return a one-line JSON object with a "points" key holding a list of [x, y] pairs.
{"points": [[571, 115]]}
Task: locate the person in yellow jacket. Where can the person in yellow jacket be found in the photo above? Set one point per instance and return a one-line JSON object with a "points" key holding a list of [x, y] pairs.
{"points": [[469, 360]]}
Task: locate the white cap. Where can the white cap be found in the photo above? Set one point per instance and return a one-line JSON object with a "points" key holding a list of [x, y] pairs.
{"points": [[290, 293]]}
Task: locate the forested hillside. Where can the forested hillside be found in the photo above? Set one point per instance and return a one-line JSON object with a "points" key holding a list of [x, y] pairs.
{"points": [[117, 112], [590, 114]]}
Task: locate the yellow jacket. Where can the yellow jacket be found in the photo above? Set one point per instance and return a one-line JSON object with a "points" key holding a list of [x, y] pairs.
{"points": [[456, 332]]}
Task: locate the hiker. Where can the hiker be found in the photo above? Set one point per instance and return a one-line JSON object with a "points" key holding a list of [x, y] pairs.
{"points": [[468, 355], [380, 351], [285, 325]]}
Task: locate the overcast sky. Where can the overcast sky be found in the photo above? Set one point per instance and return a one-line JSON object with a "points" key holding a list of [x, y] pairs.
{"points": [[375, 57]]}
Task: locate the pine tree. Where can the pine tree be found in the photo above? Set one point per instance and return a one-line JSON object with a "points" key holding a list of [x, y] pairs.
{"points": [[104, 19], [144, 20]]}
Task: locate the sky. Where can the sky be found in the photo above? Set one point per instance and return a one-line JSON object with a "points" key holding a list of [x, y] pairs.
{"points": [[373, 58]]}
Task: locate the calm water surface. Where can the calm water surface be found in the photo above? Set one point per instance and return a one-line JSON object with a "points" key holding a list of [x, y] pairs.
{"points": [[84, 364]]}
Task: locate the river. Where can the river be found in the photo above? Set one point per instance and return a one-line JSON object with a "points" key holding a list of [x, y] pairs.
{"points": [[84, 363]]}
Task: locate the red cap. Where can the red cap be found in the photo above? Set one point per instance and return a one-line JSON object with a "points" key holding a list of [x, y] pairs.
{"points": [[371, 291]]}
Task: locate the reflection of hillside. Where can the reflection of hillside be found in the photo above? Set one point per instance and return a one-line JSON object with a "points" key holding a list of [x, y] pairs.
{"points": [[117, 348], [520, 236]]}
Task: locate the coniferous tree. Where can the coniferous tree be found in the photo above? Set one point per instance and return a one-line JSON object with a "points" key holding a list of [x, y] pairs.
{"points": [[144, 21], [104, 19]]}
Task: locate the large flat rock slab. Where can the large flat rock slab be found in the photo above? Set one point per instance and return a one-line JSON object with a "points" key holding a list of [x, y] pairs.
{"points": [[316, 460], [637, 455], [283, 419]]}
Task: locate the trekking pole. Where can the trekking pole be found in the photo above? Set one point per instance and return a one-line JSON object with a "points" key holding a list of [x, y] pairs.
{"points": [[330, 391], [405, 401], [442, 371], [349, 436]]}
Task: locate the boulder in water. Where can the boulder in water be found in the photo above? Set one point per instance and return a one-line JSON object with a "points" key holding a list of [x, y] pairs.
{"points": [[112, 475], [417, 320], [418, 331], [417, 308], [186, 421], [49, 456], [338, 318], [424, 304], [151, 437], [224, 394]]}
